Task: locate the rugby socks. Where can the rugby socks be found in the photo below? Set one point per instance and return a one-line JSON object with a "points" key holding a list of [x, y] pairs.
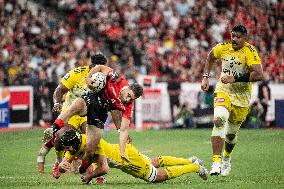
{"points": [[170, 160], [228, 150], [217, 158], [176, 171]]}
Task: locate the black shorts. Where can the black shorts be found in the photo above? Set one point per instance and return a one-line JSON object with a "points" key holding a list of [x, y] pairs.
{"points": [[96, 114]]}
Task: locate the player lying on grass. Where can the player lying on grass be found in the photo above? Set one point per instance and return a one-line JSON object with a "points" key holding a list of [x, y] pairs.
{"points": [[140, 166]]}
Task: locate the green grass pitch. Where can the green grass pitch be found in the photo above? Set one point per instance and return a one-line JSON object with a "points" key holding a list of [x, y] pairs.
{"points": [[258, 160]]}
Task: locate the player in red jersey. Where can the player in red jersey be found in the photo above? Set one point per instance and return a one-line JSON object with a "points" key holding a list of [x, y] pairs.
{"points": [[116, 95]]}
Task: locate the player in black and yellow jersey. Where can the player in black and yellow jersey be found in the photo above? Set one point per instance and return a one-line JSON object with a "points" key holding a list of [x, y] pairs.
{"points": [[71, 86], [140, 166], [241, 65]]}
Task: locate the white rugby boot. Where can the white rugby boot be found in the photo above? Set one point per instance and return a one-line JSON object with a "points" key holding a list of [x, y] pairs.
{"points": [[203, 173], [226, 167], [194, 158], [215, 169]]}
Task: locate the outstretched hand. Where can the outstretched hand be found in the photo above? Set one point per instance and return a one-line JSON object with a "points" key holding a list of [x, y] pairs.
{"points": [[64, 166]]}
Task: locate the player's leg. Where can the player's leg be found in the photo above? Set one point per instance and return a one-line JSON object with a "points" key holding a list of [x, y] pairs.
{"points": [[96, 117], [238, 114], [78, 107], [222, 107], [176, 171], [96, 170], [102, 166], [162, 161]]}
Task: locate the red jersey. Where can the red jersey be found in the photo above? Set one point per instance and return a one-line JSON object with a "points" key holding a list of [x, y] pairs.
{"points": [[110, 95]]}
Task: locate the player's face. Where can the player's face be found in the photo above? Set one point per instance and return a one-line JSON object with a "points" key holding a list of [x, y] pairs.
{"points": [[126, 95], [70, 149], [238, 40]]}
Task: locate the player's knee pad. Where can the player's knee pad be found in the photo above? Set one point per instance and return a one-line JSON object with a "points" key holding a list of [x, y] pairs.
{"points": [[231, 133], [218, 131], [221, 116]]}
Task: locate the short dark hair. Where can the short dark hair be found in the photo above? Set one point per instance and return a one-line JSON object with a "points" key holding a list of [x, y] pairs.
{"points": [[98, 59], [240, 28], [71, 138], [137, 90]]}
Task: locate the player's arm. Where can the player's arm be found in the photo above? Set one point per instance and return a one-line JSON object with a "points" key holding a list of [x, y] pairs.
{"points": [[58, 94], [116, 118], [256, 73], [208, 65], [123, 138], [98, 68]]}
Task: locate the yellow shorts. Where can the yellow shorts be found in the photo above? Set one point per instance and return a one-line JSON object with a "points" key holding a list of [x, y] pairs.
{"points": [[237, 113], [77, 121], [140, 166]]}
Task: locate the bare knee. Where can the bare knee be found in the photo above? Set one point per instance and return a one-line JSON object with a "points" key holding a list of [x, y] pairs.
{"points": [[161, 176], [155, 162]]}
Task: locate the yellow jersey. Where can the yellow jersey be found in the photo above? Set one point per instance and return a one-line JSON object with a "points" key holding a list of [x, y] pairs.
{"points": [[236, 63], [75, 82], [140, 166], [104, 148]]}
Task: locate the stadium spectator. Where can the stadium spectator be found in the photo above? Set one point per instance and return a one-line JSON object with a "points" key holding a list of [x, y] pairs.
{"points": [[241, 65], [264, 96]]}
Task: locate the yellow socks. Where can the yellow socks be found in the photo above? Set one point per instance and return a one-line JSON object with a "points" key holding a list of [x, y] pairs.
{"points": [[170, 160], [176, 171], [227, 154], [217, 158]]}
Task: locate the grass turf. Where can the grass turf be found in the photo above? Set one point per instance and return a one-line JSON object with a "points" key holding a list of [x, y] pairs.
{"points": [[258, 160]]}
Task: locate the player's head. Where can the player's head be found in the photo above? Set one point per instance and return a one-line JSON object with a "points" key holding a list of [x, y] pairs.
{"points": [[238, 36], [131, 92], [98, 59], [71, 140]]}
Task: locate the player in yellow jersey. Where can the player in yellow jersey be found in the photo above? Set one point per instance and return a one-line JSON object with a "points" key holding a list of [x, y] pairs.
{"points": [[140, 166], [241, 65], [72, 85]]}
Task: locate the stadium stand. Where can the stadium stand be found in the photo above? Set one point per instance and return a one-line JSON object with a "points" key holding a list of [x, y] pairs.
{"points": [[151, 37]]}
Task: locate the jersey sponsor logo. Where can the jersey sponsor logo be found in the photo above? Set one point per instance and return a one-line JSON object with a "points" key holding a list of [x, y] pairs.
{"points": [[219, 100], [79, 70], [66, 76]]}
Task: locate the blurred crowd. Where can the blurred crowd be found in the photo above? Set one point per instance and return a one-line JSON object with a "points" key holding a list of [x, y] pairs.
{"points": [[166, 38]]}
